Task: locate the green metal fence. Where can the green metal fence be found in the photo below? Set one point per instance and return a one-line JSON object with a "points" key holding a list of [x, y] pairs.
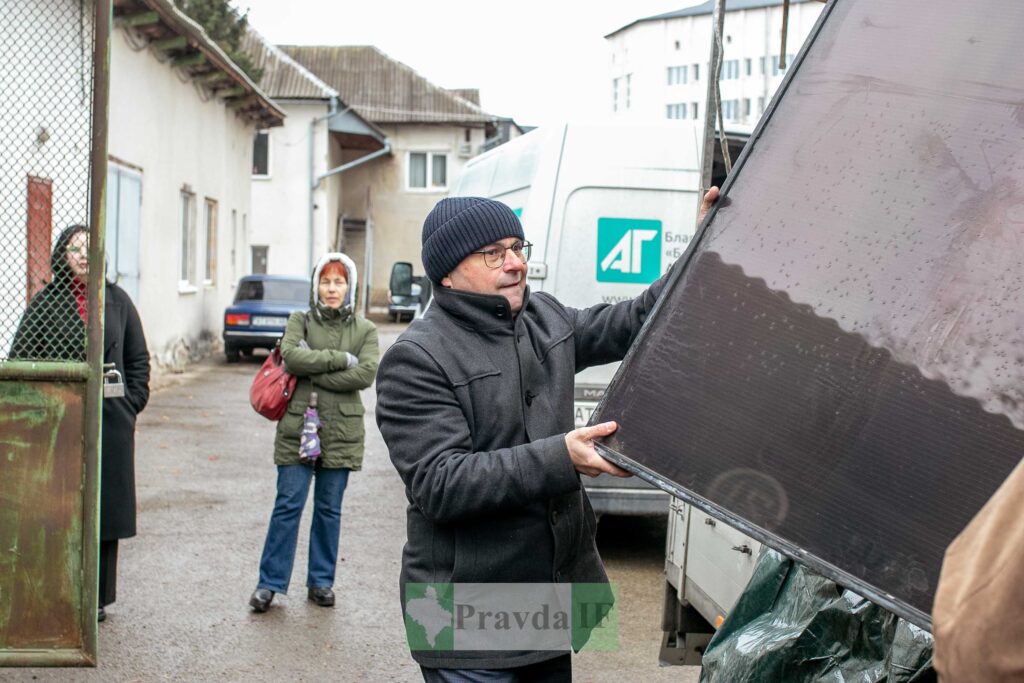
{"points": [[53, 121]]}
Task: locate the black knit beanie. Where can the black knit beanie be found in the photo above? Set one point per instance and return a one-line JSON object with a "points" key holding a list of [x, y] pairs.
{"points": [[458, 225]]}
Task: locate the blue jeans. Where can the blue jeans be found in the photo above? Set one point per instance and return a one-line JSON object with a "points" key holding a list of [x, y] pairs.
{"points": [[283, 534]]}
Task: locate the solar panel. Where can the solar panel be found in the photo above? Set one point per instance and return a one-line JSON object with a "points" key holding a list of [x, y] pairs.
{"points": [[837, 368]]}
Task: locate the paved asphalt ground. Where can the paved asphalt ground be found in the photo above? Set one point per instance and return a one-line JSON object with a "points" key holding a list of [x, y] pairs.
{"points": [[205, 490]]}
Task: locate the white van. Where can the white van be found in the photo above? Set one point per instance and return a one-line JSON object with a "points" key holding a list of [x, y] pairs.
{"points": [[608, 207]]}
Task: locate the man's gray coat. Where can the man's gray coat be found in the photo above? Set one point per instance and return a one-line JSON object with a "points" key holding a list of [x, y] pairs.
{"points": [[474, 404]]}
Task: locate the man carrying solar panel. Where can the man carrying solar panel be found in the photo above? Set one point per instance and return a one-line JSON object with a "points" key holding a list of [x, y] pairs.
{"points": [[475, 403]]}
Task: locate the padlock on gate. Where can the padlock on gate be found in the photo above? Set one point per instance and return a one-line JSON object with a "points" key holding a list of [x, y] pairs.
{"points": [[113, 382]]}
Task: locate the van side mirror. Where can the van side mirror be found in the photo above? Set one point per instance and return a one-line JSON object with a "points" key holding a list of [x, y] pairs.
{"points": [[426, 289]]}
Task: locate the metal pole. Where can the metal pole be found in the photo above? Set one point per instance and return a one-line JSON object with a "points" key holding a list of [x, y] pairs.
{"points": [[94, 327], [368, 267], [785, 31], [711, 103]]}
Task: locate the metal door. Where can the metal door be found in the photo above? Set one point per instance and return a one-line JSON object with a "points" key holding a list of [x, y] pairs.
{"points": [[124, 209], [40, 227]]}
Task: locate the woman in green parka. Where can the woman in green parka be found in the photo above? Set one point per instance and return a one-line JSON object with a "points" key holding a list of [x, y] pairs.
{"points": [[334, 353]]}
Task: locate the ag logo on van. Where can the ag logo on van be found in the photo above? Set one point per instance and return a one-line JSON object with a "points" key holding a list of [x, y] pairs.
{"points": [[628, 250]]}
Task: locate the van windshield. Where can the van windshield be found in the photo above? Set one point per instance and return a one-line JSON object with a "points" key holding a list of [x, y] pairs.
{"points": [[273, 290]]}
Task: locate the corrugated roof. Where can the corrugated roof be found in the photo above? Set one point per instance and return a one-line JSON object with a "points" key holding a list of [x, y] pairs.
{"points": [[186, 46], [383, 89], [471, 94], [707, 8], [283, 77]]}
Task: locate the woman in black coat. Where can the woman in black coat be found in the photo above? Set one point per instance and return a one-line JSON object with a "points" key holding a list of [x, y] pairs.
{"points": [[53, 328]]}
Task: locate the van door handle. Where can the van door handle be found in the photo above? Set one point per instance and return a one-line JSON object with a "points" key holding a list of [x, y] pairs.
{"points": [[745, 549]]}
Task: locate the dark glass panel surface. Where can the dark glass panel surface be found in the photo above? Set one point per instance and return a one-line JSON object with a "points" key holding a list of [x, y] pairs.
{"points": [[839, 367]]}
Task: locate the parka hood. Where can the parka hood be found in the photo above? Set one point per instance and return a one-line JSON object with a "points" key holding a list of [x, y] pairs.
{"points": [[353, 281]]}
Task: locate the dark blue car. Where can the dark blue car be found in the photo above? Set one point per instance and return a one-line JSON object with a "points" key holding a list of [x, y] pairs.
{"points": [[257, 318]]}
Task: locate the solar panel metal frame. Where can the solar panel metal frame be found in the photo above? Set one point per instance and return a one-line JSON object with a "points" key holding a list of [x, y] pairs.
{"points": [[886, 600]]}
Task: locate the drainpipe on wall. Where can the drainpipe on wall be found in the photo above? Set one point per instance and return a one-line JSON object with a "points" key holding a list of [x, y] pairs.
{"points": [[367, 270], [369, 214], [314, 182]]}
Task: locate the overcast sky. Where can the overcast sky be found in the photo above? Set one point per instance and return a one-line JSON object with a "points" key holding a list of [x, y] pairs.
{"points": [[538, 61]]}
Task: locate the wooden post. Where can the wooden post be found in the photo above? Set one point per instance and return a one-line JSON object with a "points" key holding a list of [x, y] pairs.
{"points": [[139, 19], [172, 43], [191, 59]]}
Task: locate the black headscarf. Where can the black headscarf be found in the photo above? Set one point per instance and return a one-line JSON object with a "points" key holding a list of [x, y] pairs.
{"points": [[51, 328], [59, 266]]}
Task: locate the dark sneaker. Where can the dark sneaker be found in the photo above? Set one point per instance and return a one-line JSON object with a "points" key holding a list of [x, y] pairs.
{"points": [[101, 614], [260, 600], [322, 596]]}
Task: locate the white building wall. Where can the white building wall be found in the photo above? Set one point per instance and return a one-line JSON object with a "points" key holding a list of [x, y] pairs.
{"points": [[161, 126], [645, 51], [280, 202]]}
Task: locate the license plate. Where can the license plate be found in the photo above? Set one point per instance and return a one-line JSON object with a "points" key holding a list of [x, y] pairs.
{"points": [[267, 321], [584, 409]]}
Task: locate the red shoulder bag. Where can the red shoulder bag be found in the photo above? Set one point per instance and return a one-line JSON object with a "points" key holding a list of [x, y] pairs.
{"points": [[273, 386]]}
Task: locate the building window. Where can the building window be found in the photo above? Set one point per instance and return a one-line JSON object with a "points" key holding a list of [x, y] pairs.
{"points": [[187, 272], [762, 66], [696, 72], [746, 107], [615, 94], [259, 259], [677, 75], [428, 170], [676, 111], [760, 104], [629, 79], [693, 110], [210, 226], [730, 69], [261, 154], [677, 45], [748, 65], [730, 110]]}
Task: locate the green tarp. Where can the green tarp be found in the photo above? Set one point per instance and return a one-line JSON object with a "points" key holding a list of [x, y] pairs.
{"points": [[796, 626]]}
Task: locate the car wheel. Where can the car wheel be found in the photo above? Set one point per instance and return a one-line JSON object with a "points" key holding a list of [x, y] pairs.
{"points": [[247, 352], [231, 355], [393, 316]]}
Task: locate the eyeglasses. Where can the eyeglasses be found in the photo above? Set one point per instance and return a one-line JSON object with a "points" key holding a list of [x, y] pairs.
{"points": [[78, 250], [494, 255]]}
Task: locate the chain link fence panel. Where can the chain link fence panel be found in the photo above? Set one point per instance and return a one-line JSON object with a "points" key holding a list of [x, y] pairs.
{"points": [[46, 92]]}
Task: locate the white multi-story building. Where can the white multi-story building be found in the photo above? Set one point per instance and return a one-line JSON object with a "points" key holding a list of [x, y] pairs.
{"points": [[659, 65]]}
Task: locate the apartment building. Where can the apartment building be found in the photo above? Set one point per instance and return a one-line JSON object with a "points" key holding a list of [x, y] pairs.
{"points": [[659, 65]]}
